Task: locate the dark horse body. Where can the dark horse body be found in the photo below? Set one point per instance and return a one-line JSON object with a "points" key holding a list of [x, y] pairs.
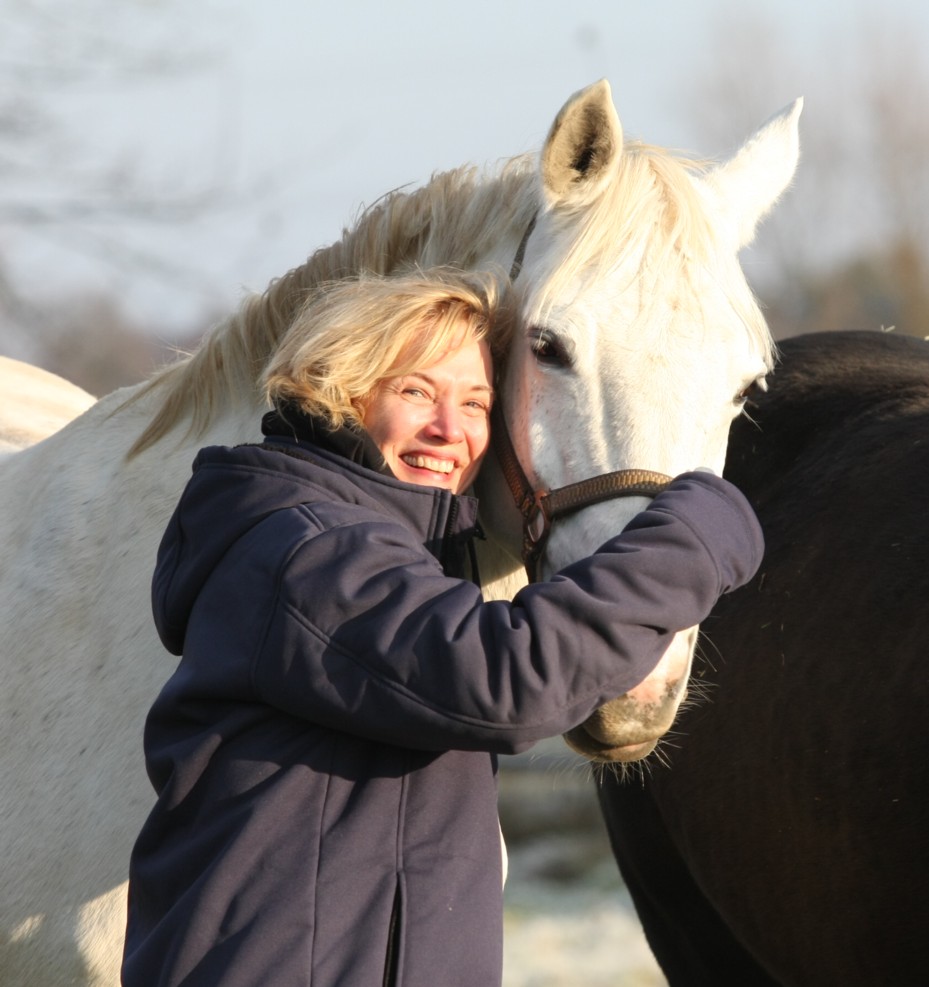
{"points": [[788, 841]]}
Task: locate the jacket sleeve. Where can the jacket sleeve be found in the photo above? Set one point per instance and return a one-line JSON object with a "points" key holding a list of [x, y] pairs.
{"points": [[383, 645]]}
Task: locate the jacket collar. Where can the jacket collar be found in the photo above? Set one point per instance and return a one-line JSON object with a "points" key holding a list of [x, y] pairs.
{"points": [[353, 444], [447, 522]]}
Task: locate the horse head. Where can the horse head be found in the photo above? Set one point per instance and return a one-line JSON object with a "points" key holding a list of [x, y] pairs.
{"points": [[639, 342]]}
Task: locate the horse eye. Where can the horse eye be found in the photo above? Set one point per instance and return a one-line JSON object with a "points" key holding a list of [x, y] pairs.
{"points": [[547, 349], [756, 387]]}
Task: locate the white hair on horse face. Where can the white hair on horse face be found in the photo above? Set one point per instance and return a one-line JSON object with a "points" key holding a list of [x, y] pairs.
{"points": [[651, 220]]}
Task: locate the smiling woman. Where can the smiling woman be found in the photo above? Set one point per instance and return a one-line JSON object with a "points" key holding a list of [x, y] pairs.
{"points": [[433, 426], [324, 755], [408, 363]]}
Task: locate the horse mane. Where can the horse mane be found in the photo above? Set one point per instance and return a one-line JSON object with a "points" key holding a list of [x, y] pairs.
{"points": [[452, 220]]}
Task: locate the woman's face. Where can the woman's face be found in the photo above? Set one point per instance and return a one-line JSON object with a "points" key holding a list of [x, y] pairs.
{"points": [[433, 426]]}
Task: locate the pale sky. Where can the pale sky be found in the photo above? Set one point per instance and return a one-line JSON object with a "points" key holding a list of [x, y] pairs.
{"points": [[297, 113]]}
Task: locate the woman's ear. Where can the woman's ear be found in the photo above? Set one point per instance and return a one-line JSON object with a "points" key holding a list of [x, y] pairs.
{"points": [[359, 409]]}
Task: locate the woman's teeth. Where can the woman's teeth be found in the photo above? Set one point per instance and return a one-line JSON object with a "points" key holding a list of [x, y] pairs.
{"points": [[428, 463]]}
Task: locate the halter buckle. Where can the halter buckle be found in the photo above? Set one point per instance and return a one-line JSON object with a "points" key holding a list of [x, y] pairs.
{"points": [[537, 520]]}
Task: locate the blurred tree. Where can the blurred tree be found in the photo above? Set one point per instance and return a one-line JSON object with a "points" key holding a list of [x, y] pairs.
{"points": [[91, 342], [58, 186], [95, 348], [847, 246], [897, 76]]}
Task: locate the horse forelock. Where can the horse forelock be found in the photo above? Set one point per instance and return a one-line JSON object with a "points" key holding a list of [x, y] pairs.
{"points": [[651, 214], [455, 219]]}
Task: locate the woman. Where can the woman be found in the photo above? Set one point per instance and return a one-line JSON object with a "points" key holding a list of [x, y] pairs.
{"points": [[324, 755]]}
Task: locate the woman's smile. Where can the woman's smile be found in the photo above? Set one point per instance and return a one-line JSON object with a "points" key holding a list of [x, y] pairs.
{"points": [[429, 463], [432, 426]]}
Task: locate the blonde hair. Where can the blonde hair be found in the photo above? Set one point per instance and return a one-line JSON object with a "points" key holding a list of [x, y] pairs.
{"points": [[351, 335]]}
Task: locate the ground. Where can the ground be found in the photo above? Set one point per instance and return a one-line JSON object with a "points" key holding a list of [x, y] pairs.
{"points": [[569, 920]]}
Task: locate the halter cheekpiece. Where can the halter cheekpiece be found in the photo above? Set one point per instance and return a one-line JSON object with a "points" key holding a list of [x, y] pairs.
{"points": [[541, 508]]}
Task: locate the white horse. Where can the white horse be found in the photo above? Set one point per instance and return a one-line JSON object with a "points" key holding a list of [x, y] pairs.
{"points": [[35, 403], [640, 339]]}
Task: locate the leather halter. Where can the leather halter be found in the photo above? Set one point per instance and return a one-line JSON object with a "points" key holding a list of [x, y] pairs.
{"points": [[541, 508]]}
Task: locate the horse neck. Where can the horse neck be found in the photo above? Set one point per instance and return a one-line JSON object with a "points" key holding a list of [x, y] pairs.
{"points": [[502, 576]]}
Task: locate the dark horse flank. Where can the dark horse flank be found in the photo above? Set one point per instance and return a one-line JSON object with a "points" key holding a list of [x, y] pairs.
{"points": [[788, 841]]}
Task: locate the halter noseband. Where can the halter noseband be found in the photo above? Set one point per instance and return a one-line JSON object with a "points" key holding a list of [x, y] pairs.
{"points": [[541, 508]]}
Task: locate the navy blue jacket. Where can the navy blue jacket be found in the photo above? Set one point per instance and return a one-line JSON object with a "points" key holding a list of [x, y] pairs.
{"points": [[324, 755]]}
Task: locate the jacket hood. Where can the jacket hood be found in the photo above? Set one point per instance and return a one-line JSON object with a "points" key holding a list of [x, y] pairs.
{"points": [[234, 489]]}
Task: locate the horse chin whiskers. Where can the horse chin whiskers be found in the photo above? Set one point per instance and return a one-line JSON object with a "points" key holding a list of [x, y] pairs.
{"points": [[625, 772], [574, 767], [699, 689], [630, 772], [570, 765], [567, 764], [700, 652], [699, 693], [662, 753]]}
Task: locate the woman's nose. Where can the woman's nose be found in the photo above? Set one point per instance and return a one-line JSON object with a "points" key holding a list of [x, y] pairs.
{"points": [[447, 422]]}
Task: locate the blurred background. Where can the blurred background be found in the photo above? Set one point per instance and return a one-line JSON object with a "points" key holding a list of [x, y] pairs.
{"points": [[160, 158]]}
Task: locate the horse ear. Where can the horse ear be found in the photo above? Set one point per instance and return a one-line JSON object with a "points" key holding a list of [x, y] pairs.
{"points": [[752, 180], [582, 146]]}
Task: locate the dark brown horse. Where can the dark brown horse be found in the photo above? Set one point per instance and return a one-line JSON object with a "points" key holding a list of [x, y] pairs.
{"points": [[787, 842]]}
